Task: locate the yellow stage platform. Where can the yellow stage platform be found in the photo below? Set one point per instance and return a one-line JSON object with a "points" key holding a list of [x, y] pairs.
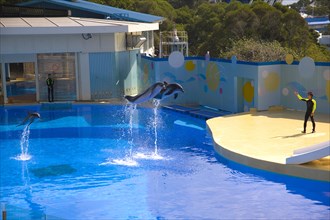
{"points": [[265, 139]]}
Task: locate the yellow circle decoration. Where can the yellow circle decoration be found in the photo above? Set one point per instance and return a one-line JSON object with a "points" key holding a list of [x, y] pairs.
{"points": [[248, 92], [327, 90], [289, 59], [145, 73], [272, 82], [212, 76], [190, 66]]}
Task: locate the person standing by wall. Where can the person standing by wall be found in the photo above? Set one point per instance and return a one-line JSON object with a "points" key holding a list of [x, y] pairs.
{"points": [[50, 85], [311, 107]]}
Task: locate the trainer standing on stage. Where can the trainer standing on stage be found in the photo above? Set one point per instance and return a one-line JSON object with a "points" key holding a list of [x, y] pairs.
{"points": [[50, 85], [311, 107]]}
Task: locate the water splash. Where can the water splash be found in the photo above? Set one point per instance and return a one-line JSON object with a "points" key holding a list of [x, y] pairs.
{"points": [[130, 162], [24, 145], [130, 110], [155, 123], [128, 159], [146, 156]]}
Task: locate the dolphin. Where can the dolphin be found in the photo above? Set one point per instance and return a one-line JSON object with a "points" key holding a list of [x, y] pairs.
{"points": [[169, 90], [30, 117], [148, 94]]}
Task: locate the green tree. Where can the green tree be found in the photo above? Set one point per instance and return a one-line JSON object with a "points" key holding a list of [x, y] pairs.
{"points": [[295, 31], [205, 23], [312, 7], [188, 3], [242, 22], [270, 21], [158, 7], [257, 51], [184, 16]]}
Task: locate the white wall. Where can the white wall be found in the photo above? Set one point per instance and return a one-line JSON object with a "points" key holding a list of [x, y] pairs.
{"points": [[269, 80], [120, 39], [28, 44]]}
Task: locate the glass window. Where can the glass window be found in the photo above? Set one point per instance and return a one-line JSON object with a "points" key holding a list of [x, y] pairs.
{"points": [[61, 68], [20, 82]]}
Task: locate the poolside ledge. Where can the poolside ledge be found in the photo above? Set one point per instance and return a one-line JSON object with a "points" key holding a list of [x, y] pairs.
{"points": [[264, 140]]}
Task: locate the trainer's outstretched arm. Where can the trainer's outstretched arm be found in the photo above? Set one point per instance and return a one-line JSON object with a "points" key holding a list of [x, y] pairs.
{"points": [[299, 97]]}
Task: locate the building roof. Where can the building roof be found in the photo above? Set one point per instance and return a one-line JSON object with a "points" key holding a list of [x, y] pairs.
{"points": [[69, 25], [317, 19], [105, 10]]}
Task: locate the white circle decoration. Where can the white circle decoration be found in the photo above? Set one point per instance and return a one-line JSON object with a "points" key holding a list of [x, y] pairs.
{"points": [[306, 67], [285, 91], [326, 74], [234, 59], [264, 74], [176, 59]]}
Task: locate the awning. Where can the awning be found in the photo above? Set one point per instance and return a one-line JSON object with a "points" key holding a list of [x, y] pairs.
{"points": [[69, 25]]}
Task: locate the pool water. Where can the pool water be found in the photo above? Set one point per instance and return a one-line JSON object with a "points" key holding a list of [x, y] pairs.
{"points": [[99, 162]]}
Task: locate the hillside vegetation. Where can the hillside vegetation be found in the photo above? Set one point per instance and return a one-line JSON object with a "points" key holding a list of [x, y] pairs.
{"points": [[235, 28]]}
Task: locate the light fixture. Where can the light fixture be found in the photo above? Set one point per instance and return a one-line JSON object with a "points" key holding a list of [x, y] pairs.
{"points": [[139, 42], [134, 41], [87, 36]]}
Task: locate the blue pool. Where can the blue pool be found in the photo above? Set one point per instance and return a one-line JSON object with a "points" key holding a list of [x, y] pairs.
{"points": [[98, 162]]}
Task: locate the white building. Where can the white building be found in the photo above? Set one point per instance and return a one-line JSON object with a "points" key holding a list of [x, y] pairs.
{"points": [[88, 58]]}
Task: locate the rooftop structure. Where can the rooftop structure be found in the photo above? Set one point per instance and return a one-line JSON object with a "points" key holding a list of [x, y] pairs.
{"points": [[81, 8], [69, 25], [318, 23], [173, 41]]}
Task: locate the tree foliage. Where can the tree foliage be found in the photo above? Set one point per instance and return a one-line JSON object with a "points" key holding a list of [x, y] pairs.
{"points": [[313, 7], [254, 50], [260, 22], [220, 27]]}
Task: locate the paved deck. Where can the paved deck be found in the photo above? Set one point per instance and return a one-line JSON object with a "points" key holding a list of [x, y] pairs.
{"points": [[265, 139]]}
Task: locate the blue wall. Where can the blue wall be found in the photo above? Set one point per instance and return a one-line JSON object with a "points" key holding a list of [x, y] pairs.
{"points": [[238, 86], [114, 74]]}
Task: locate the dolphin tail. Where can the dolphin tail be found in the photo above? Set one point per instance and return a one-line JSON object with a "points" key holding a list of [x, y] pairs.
{"points": [[129, 98], [31, 121], [25, 119]]}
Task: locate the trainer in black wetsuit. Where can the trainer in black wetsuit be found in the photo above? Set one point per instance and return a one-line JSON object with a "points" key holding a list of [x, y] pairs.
{"points": [[50, 85], [311, 107]]}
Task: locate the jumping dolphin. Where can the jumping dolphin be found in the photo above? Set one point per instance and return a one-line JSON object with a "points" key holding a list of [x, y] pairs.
{"points": [[150, 93], [31, 116], [169, 90]]}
